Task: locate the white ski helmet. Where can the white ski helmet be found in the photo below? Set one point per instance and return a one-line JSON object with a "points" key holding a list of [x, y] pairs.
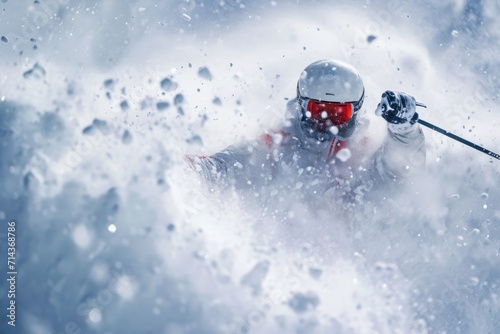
{"points": [[330, 94]]}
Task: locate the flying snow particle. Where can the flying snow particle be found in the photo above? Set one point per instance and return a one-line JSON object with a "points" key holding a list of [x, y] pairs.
{"points": [[454, 33], [186, 17], [168, 85], [37, 72], [146, 103], [344, 154], [195, 140], [95, 315], [485, 206], [112, 228], [315, 273], [473, 281], [125, 287], [99, 272], [81, 236], [124, 105], [204, 73], [255, 277], [162, 105], [109, 83], [178, 99], [302, 302], [127, 137]]}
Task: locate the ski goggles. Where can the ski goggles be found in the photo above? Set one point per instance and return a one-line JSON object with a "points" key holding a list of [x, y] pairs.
{"points": [[326, 113]]}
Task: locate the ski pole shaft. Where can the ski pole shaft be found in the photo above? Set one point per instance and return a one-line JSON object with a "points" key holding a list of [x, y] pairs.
{"points": [[460, 139]]}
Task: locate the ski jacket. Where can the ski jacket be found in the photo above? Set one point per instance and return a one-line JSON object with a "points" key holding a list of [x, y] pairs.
{"points": [[289, 160]]}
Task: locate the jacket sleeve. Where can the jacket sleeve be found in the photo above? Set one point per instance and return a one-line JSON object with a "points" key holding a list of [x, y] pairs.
{"points": [[403, 153], [249, 164]]}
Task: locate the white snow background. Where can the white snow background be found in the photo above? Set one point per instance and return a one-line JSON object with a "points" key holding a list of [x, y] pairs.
{"points": [[100, 100]]}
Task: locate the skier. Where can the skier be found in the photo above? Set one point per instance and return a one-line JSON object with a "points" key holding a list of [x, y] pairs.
{"points": [[325, 144]]}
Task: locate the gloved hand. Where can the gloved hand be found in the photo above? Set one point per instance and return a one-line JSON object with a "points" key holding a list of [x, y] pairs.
{"points": [[397, 108], [211, 169]]}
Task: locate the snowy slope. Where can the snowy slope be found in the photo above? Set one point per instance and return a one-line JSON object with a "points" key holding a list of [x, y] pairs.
{"points": [[100, 101]]}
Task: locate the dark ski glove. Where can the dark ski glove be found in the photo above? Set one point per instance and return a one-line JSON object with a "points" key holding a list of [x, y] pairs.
{"points": [[397, 108]]}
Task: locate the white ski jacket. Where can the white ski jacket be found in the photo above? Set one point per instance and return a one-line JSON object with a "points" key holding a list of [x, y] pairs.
{"points": [[289, 161]]}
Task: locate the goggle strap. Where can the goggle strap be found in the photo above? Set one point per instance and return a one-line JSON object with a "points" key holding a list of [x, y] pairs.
{"points": [[356, 104]]}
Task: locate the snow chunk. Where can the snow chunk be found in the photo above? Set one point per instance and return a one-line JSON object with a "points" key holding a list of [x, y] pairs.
{"points": [[303, 302], [95, 315], [109, 84], [124, 105], [5, 39], [162, 105], [37, 72], [473, 281], [125, 287], [195, 140], [204, 73], [99, 272], [112, 228], [97, 125], [315, 273], [168, 85], [81, 236], [217, 101], [178, 99], [127, 137], [334, 130], [256, 276], [344, 154]]}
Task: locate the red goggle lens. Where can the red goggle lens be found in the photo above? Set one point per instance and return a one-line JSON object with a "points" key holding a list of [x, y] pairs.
{"points": [[326, 112]]}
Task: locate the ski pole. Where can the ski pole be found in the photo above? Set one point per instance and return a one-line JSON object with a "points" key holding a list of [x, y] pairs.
{"points": [[453, 136]]}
